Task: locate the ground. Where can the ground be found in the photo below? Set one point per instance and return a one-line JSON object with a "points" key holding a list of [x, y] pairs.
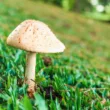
{"points": [[78, 78]]}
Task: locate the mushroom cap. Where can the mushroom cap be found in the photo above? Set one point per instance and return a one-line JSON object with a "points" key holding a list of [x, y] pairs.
{"points": [[35, 36]]}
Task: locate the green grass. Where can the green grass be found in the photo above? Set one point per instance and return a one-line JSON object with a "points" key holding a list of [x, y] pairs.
{"points": [[78, 79]]}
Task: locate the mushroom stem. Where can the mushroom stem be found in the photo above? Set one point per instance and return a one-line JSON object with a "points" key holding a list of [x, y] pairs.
{"points": [[30, 71]]}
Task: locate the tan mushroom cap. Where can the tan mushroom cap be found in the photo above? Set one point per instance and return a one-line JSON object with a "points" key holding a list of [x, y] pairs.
{"points": [[35, 36]]}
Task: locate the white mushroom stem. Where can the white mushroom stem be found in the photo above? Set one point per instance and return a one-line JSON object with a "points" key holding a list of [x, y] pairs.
{"points": [[30, 71]]}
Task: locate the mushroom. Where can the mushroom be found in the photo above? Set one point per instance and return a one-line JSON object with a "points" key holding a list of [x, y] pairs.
{"points": [[34, 37]]}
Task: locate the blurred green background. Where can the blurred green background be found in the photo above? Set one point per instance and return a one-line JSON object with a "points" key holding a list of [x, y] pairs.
{"points": [[78, 78], [97, 9]]}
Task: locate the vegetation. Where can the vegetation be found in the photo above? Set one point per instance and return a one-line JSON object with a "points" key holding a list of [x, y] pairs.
{"points": [[96, 9], [77, 79]]}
